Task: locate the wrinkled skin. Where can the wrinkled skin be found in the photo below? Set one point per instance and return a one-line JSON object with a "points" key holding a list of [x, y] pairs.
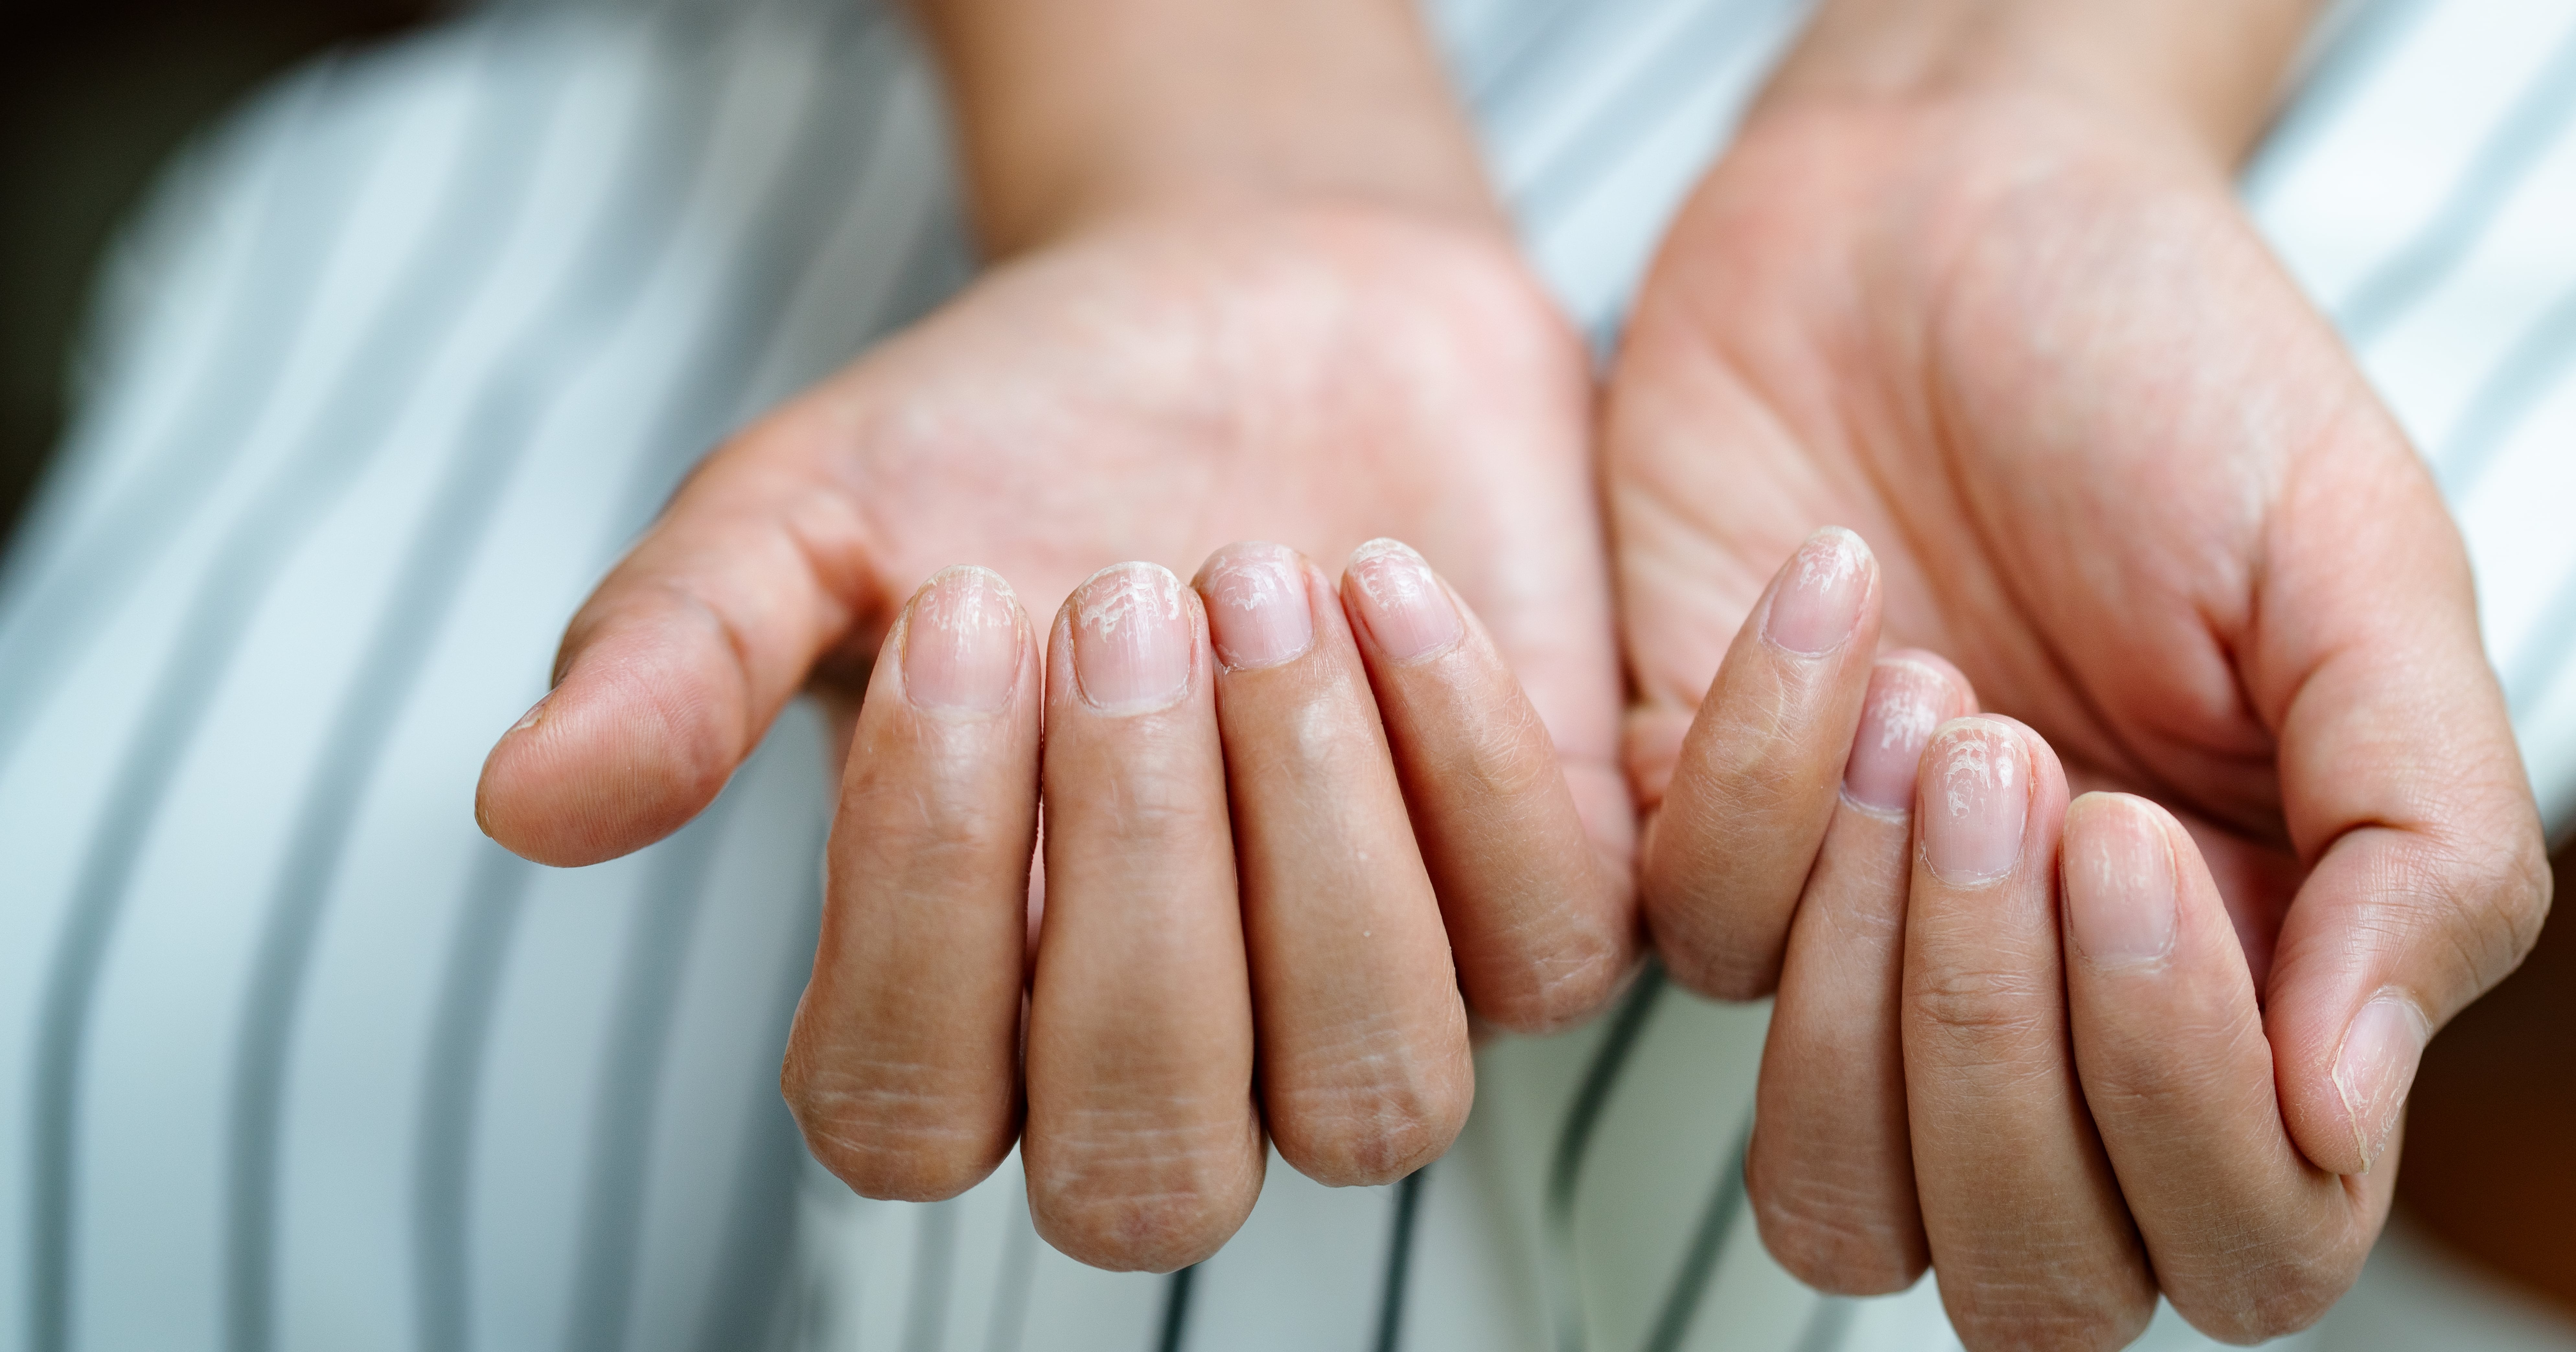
{"points": [[2114, 466], [1150, 389]]}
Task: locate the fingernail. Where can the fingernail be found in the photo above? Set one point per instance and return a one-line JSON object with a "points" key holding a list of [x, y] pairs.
{"points": [[2119, 881], [1256, 600], [961, 646], [1976, 793], [1403, 605], [1905, 703], [1131, 638], [2376, 1067], [1817, 604], [536, 714]]}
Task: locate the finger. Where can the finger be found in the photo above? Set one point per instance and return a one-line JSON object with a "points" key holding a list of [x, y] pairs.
{"points": [[903, 1063], [2249, 1240], [2401, 787], [1365, 1074], [674, 668], [1538, 920], [1830, 1170], [1756, 785], [2027, 1227], [1142, 1148]]}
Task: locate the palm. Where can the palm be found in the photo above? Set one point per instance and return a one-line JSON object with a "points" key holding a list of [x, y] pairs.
{"points": [[2066, 397], [1156, 393]]}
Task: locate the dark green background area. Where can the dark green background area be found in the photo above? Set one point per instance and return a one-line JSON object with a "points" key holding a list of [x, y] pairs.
{"points": [[94, 97]]}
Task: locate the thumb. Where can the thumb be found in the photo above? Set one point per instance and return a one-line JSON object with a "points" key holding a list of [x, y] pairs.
{"points": [[2401, 785], [673, 670]]}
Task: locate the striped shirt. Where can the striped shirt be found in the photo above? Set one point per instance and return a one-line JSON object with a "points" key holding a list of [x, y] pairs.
{"points": [[402, 356]]}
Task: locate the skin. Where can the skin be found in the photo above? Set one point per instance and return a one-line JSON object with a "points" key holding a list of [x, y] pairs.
{"points": [[1972, 284], [1212, 316]]}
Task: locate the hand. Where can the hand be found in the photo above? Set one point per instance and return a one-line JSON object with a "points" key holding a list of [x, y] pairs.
{"points": [[1150, 388], [2117, 469]]}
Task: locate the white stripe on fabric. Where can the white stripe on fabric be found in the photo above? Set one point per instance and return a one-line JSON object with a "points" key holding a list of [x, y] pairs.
{"points": [[341, 1103], [180, 691]]}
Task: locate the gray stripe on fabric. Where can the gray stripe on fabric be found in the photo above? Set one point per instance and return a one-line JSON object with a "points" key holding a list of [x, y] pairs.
{"points": [[1707, 1248], [710, 396], [1830, 1326], [2357, 51], [622, 1125], [452, 1093], [2529, 370], [467, 241], [1173, 1335], [1645, 102], [630, 227], [487, 928], [815, 177], [1399, 1260], [268, 304], [1574, 1144], [745, 1309], [2503, 161]]}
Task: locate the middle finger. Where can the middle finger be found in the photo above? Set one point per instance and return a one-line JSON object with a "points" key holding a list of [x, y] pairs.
{"points": [[2029, 1234], [1142, 1147]]}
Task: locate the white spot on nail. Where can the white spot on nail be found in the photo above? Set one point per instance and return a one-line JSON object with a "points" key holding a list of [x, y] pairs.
{"points": [[1126, 594]]}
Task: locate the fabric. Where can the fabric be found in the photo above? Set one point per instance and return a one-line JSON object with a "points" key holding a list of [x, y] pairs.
{"points": [[401, 358]]}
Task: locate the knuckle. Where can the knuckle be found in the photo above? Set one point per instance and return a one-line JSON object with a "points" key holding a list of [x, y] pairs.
{"points": [[2484, 896], [2150, 1079], [1983, 1005]]}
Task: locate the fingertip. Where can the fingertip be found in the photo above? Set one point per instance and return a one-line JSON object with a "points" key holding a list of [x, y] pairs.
{"points": [[1181, 1221], [1370, 1135], [1824, 597], [607, 764]]}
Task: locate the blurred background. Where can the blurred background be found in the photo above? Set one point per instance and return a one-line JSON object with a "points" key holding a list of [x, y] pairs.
{"points": [[94, 96]]}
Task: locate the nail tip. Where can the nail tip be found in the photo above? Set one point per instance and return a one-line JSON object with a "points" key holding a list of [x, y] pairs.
{"points": [[1382, 546]]}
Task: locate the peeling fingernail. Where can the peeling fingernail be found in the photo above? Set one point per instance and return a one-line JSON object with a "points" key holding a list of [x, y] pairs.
{"points": [[1906, 701], [1975, 796], [1402, 604], [961, 646], [536, 714], [2376, 1067], [1256, 603], [1817, 604], [1132, 638], [2119, 881]]}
